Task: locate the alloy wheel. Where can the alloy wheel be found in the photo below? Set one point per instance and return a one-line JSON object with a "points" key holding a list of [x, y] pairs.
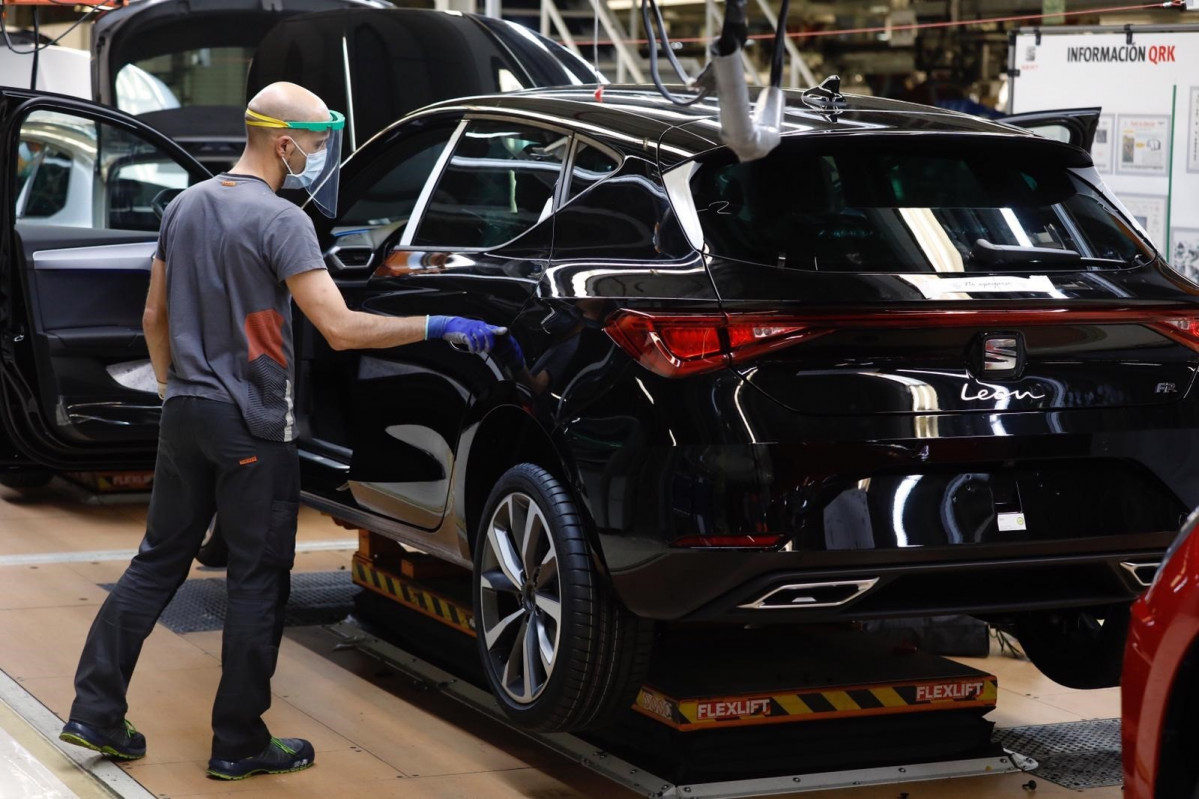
{"points": [[520, 592]]}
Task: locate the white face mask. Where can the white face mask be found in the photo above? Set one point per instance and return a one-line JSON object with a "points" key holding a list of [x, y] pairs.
{"points": [[313, 166]]}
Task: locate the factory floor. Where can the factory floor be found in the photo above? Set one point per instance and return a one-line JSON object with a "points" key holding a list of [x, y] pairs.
{"points": [[376, 733]]}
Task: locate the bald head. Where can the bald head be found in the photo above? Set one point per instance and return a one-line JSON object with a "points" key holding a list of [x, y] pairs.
{"points": [[272, 153], [286, 101], [291, 102]]}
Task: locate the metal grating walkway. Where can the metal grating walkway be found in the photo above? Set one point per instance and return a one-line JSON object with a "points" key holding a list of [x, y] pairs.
{"points": [[1077, 754], [316, 598]]}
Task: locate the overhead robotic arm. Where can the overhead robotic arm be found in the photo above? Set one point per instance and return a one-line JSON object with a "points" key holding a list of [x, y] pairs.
{"points": [[749, 134]]}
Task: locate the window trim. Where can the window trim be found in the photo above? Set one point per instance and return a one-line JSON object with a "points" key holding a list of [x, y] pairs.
{"points": [[580, 139], [426, 192], [97, 115], [418, 212]]}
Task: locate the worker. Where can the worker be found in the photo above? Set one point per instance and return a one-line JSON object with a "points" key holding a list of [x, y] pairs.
{"points": [[231, 257]]}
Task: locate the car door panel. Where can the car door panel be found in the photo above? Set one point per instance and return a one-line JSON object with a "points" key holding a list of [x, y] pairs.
{"points": [[81, 234], [85, 310], [412, 400], [482, 235]]}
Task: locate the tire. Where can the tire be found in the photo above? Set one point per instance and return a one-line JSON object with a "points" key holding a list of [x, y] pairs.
{"points": [[214, 551], [29, 479], [1078, 648], [586, 665]]}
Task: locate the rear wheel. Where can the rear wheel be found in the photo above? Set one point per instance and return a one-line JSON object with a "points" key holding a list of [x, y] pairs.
{"points": [[558, 649], [1078, 648]]}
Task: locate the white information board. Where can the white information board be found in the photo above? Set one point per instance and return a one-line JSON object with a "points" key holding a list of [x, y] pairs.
{"points": [[1146, 80]]}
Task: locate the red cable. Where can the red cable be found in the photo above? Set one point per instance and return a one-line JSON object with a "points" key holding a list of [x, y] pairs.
{"points": [[923, 25]]}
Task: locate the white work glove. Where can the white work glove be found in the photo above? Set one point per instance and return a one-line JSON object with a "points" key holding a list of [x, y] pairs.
{"points": [[162, 390]]}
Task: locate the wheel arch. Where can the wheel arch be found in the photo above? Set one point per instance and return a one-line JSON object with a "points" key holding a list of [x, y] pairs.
{"points": [[503, 437], [1177, 772]]}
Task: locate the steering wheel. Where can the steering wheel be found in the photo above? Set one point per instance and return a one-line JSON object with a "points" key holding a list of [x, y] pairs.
{"points": [[161, 200]]}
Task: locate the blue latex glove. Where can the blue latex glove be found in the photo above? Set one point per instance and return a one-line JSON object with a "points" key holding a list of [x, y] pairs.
{"points": [[476, 336], [507, 352]]}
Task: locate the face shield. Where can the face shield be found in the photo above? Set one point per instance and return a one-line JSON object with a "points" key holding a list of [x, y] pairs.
{"points": [[320, 174]]}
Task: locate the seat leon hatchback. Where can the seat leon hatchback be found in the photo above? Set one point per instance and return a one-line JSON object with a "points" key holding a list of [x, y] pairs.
{"points": [[910, 363]]}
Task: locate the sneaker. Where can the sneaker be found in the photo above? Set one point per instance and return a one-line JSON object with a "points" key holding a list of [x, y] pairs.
{"points": [[122, 741], [281, 756]]}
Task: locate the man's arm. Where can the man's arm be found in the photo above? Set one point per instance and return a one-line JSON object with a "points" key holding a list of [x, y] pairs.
{"points": [[319, 298], [155, 323]]}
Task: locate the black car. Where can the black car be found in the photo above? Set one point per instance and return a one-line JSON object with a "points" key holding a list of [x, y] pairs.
{"points": [[911, 363], [188, 68]]}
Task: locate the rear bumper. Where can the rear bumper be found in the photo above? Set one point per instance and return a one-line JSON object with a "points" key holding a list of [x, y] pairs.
{"points": [[730, 586], [911, 501]]}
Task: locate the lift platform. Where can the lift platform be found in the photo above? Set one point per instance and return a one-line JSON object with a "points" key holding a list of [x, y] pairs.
{"points": [[722, 712]]}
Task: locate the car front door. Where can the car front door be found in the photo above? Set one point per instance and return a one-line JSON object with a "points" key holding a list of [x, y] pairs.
{"points": [[470, 240], [79, 222]]}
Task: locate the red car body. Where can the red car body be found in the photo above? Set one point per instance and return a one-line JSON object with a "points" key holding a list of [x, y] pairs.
{"points": [[1161, 671]]}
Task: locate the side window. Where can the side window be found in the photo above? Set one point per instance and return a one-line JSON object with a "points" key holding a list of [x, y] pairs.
{"points": [[499, 182], [390, 193], [590, 166], [78, 172]]}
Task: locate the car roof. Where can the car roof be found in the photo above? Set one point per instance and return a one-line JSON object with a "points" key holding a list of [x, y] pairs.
{"points": [[634, 114]]}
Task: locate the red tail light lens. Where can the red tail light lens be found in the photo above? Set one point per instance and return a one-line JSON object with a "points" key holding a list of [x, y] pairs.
{"points": [[686, 344], [677, 345], [1184, 330]]}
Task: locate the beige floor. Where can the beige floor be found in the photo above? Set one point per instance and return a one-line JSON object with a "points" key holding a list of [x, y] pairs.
{"points": [[376, 734]]}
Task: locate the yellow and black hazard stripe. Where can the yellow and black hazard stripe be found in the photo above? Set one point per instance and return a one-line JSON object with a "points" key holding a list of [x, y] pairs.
{"points": [[780, 707], [413, 596]]}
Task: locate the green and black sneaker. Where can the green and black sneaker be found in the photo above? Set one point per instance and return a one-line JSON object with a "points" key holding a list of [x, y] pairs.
{"points": [[281, 756], [122, 741]]}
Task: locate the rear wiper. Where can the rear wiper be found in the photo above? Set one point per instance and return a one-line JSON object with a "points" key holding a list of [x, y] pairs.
{"points": [[988, 253]]}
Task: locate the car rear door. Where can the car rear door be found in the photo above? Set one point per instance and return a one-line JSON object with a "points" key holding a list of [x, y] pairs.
{"points": [[78, 229]]}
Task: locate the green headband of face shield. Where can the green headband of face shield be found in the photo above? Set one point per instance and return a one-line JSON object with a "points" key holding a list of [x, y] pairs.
{"points": [[320, 177], [336, 121]]}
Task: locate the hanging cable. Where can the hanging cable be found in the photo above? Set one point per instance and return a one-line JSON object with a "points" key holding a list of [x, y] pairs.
{"points": [[37, 34], [7, 40], [780, 45], [653, 34]]}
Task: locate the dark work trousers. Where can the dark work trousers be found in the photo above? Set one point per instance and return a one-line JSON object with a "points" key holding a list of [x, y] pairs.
{"points": [[207, 461]]}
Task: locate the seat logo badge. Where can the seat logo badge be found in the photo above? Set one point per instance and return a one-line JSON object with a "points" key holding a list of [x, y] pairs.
{"points": [[1166, 388], [997, 356], [1001, 355]]}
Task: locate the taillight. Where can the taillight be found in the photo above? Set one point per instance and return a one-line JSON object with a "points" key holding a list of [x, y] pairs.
{"points": [[1184, 330], [685, 344], [676, 345]]}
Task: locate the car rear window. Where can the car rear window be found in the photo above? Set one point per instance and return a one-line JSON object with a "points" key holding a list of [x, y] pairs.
{"points": [[890, 204]]}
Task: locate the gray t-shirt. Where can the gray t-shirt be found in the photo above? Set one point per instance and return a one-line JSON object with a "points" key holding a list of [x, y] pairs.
{"points": [[229, 244]]}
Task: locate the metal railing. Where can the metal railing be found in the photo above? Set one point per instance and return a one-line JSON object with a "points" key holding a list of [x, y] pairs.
{"points": [[797, 68], [628, 64], [628, 61]]}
